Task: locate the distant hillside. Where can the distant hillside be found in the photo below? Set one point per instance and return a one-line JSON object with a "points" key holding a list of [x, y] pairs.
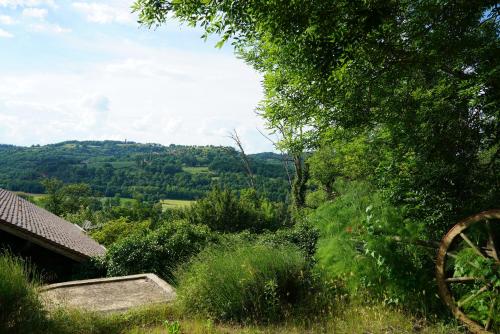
{"points": [[128, 169]]}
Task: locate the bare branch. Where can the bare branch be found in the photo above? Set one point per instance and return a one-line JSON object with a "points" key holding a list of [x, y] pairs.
{"points": [[246, 163]]}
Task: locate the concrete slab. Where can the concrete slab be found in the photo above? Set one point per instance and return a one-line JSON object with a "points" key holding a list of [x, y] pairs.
{"points": [[115, 294]]}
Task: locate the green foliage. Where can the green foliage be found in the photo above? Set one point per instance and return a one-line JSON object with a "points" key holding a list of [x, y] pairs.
{"points": [[21, 310], [301, 235], [479, 304], [116, 230], [95, 267], [315, 198], [402, 93], [113, 168], [172, 327], [69, 321], [246, 283], [480, 307], [159, 251], [345, 154], [225, 211], [369, 243], [66, 199], [113, 209]]}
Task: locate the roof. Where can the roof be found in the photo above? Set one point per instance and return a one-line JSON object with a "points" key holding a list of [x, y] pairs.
{"points": [[28, 221]]}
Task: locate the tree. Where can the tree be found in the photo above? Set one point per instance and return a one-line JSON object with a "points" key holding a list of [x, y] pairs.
{"points": [[64, 199], [224, 211], [425, 74], [53, 200]]}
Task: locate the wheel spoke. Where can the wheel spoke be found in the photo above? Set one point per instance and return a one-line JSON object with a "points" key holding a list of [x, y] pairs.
{"points": [[471, 245], [485, 288], [491, 236], [464, 279], [489, 322]]}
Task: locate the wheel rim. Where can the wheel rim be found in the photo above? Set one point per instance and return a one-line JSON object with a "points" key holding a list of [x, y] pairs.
{"points": [[468, 271]]}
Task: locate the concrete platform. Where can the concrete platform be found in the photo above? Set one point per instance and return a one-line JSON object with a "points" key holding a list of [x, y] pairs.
{"points": [[115, 294]]}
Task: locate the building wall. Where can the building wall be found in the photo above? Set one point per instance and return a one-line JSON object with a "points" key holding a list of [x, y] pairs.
{"points": [[52, 266]]}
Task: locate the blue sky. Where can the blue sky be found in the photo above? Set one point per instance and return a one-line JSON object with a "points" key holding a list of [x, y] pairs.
{"points": [[87, 70]]}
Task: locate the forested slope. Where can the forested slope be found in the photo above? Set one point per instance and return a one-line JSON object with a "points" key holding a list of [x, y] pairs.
{"points": [[127, 168]]}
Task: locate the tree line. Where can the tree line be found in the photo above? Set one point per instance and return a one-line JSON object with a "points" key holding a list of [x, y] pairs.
{"points": [[154, 171]]}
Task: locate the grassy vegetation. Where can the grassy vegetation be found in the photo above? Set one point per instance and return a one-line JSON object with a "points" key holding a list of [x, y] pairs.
{"points": [[116, 164], [64, 321], [196, 170], [261, 282], [35, 198], [175, 203], [123, 201], [357, 230], [167, 319], [246, 283], [21, 310], [355, 319]]}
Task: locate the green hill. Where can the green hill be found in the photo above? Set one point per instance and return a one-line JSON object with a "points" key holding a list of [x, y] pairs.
{"points": [[125, 169]]}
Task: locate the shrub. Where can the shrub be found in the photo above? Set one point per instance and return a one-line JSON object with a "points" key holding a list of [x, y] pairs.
{"points": [[159, 251], [303, 235], [225, 211], [95, 267], [118, 229], [21, 310], [357, 240], [245, 283]]}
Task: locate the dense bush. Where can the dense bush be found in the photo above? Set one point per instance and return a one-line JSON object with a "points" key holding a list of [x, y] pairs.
{"points": [[21, 310], [159, 251], [358, 233], [246, 283], [303, 235], [118, 229], [225, 211]]}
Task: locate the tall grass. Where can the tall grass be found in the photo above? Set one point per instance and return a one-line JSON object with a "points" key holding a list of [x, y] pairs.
{"points": [[70, 321], [21, 310], [246, 283]]}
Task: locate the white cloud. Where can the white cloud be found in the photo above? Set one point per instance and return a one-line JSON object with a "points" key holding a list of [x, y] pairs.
{"points": [[99, 103], [5, 34], [7, 20], [104, 13], [147, 68], [38, 13], [27, 3], [51, 28], [145, 94]]}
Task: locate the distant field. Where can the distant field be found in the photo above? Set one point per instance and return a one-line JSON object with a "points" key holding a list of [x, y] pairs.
{"points": [[175, 203], [196, 170], [115, 164], [37, 198], [166, 203], [123, 200]]}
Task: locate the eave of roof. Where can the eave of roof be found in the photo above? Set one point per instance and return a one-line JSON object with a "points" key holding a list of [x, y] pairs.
{"points": [[27, 221]]}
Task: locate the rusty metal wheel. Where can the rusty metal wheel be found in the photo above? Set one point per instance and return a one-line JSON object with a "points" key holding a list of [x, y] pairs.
{"points": [[468, 271]]}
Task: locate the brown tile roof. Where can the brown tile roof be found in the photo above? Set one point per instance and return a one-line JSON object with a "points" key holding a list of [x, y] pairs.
{"points": [[39, 224]]}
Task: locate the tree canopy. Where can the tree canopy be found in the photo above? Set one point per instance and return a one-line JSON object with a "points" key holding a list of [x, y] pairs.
{"points": [[419, 79]]}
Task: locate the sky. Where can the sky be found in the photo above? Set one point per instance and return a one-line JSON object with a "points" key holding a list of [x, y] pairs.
{"points": [[86, 70]]}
